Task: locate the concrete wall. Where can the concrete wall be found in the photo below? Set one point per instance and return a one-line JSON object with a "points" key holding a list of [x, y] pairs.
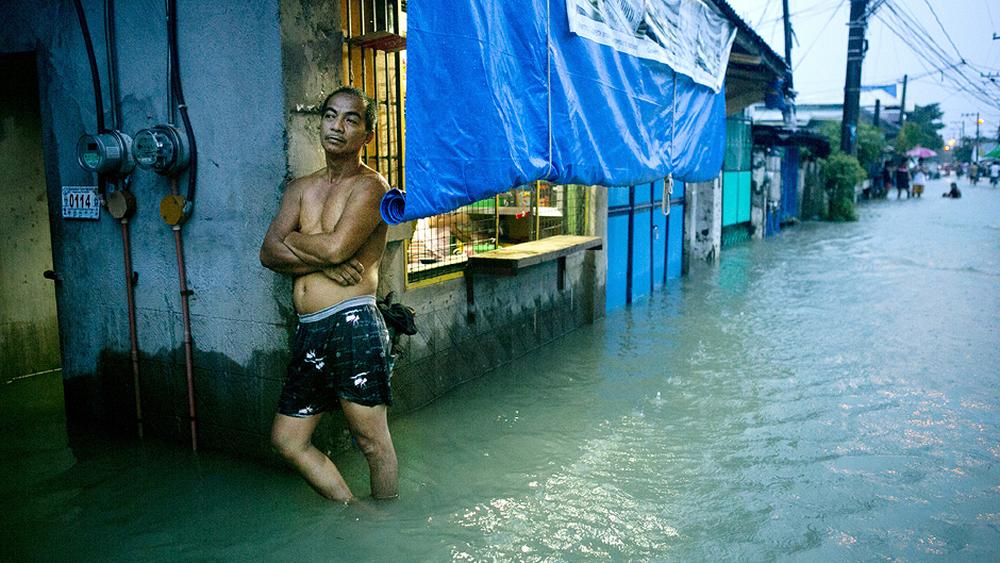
{"points": [[250, 73], [312, 65], [703, 220], [29, 332], [513, 317], [814, 199], [759, 192], [228, 51], [766, 193]]}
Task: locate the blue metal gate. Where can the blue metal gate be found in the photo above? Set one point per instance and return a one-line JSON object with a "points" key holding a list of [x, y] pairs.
{"points": [[645, 247], [790, 184]]}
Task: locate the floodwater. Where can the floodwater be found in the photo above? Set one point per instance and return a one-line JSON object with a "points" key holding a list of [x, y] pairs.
{"points": [[829, 394]]}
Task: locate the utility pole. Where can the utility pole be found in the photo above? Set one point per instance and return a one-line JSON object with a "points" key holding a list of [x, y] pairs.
{"points": [[877, 118], [902, 104], [788, 113], [975, 146], [979, 122], [856, 47]]}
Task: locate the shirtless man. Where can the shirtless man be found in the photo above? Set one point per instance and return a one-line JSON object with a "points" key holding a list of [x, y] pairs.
{"points": [[329, 236]]}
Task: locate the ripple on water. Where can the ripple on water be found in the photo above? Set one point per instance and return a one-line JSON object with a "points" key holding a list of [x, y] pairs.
{"points": [[828, 394]]}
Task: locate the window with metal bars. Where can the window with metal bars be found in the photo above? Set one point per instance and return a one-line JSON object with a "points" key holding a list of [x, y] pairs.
{"points": [[374, 55], [441, 245]]}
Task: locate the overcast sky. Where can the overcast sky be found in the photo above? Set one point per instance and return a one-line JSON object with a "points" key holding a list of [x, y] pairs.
{"points": [[820, 54]]}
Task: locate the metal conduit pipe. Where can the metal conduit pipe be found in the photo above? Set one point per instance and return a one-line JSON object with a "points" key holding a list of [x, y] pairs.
{"points": [[112, 59], [186, 316], [177, 92], [110, 45], [130, 280]]}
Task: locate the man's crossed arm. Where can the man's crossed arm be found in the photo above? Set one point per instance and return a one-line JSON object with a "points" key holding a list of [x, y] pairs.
{"points": [[288, 251]]}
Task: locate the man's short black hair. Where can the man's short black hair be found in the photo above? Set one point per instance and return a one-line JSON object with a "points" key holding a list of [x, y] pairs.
{"points": [[370, 114]]}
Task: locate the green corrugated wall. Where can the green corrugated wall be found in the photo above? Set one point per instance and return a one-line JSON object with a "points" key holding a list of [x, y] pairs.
{"points": [[736, 172]]}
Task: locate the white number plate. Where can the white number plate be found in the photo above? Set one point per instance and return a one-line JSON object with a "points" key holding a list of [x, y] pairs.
{"points": [[80, 202]]}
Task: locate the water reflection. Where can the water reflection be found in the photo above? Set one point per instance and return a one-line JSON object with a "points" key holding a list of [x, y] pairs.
{"points": [[827, 394]]}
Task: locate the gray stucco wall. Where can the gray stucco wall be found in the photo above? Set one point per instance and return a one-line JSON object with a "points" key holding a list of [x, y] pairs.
{"points": [[230, 52], [703, 220], [514, 316], [311, 59]]}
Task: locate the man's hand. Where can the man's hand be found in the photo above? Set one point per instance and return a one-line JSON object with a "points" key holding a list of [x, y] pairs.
{"points": [[274, 253], [346, 273]]}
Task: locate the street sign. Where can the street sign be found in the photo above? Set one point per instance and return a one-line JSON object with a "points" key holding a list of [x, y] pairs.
{"points": [[81, 202]]}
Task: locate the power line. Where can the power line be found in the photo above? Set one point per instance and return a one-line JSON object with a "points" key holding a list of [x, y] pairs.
{"points": [[761, 18], [946, 34], [953, 71], [912, 77], [815, 10], [923, 59], [818, 35], [930, 54], [874, 8]]}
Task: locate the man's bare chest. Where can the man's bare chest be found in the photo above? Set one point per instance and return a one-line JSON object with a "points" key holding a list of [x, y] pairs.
{"points": [[321, 207]]}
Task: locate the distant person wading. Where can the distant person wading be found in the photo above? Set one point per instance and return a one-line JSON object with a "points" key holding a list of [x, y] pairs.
{"points": [[902, 179], [919, 178]]}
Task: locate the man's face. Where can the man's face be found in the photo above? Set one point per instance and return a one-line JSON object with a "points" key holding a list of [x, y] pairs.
{"points": [[342, 128]]}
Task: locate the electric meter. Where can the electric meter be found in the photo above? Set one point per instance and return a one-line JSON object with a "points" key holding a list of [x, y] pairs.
{"points": [[162, 149], [106, 153]]}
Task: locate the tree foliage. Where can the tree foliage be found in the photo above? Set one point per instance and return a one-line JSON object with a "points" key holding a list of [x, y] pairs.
{"points": [[871, 145], [963, 152], [921, 128], [840, 173], [871, 141]]}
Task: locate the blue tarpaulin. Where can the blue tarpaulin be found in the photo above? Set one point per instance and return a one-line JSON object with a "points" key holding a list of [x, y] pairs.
{"points": [[500, 94]]}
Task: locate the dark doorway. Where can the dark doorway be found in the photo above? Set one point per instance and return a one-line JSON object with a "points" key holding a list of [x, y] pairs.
{"points": [[31, 387]]}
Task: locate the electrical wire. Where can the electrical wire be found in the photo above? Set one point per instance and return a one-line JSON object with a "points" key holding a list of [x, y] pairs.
{"points": [[767, 7], [814, 10], [92, 59], [946, 34], [112, 62], [178, 92], [930, 55], [818, 35], [989, 13]]}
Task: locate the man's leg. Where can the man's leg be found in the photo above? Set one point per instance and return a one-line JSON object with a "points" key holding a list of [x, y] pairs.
{"points": [[292, 438], [371, 430]]}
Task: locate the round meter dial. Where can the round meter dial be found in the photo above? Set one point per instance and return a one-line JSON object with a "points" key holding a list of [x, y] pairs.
{"points": [[161, 149]]}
